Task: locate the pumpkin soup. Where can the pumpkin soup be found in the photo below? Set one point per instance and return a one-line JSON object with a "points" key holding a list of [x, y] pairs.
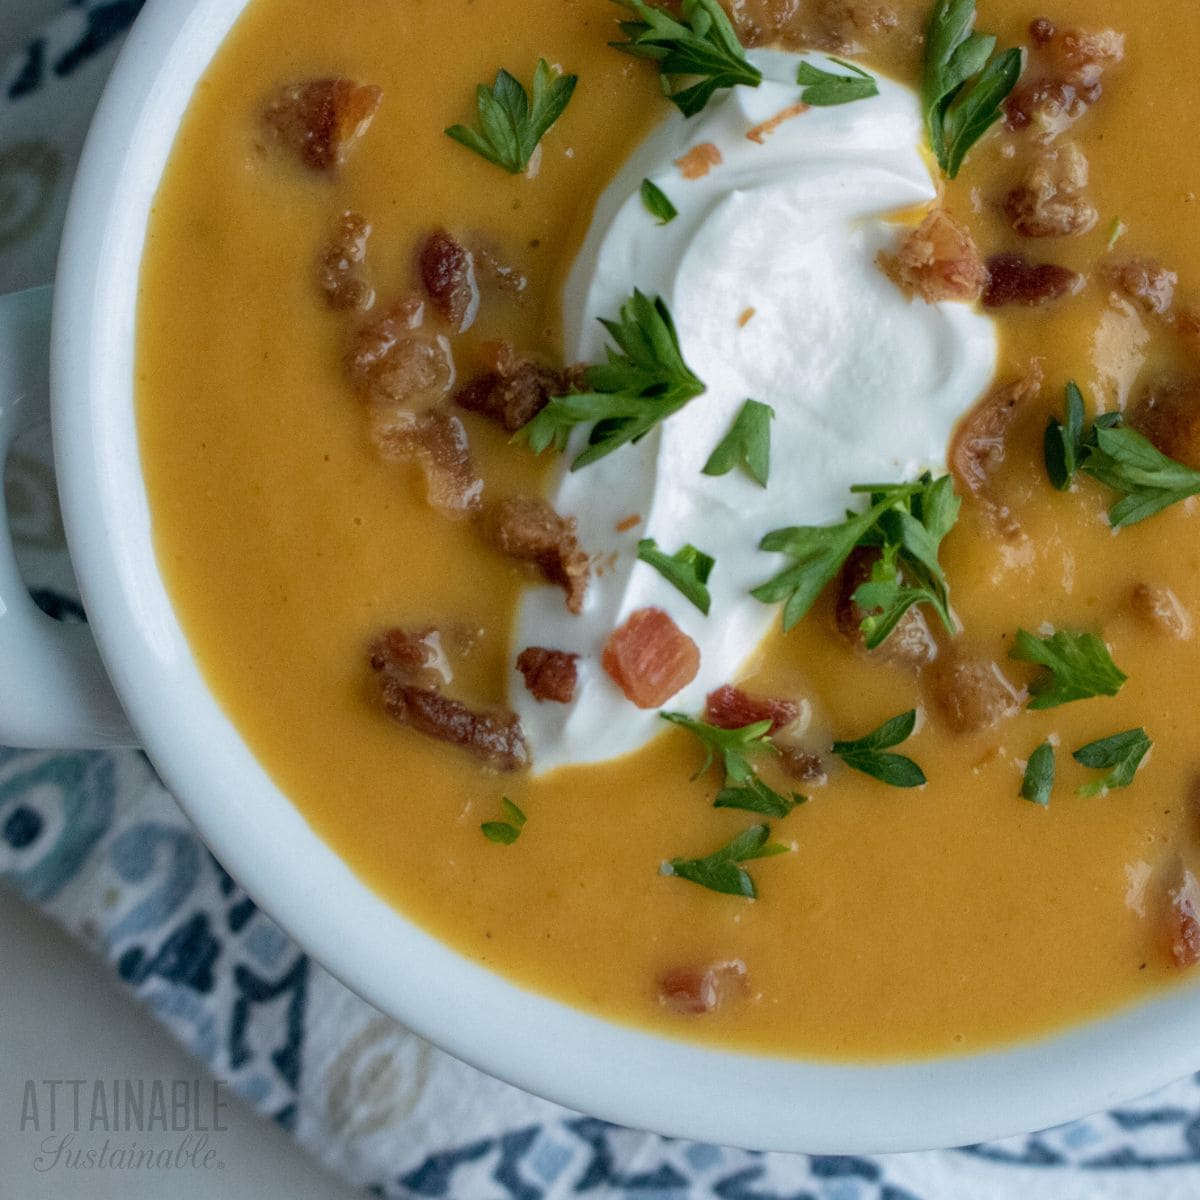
{"points": [[697, 510]]}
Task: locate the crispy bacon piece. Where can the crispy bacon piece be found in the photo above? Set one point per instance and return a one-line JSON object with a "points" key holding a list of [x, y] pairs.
{"points": [[970, 694], [527, 528], [650, 658], [320, 119], [549, 674], [393, 360], [1149, 284], [1183, 923], [844, 26], [802, 765], [448, 273], [1049, 201], [909, 644], [691, 991], [414, 656], [937, 261], [1159, 608], [730, 708], [412, 698], [516, 390], [978, 447], [436, 441], [340, 266], [1064, 78], [1013, 279], [1168, 413], [699, 160]]}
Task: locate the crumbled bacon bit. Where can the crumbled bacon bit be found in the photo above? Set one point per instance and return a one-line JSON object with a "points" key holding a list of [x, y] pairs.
{"points": [[414, 656], [1049, 202], [937, 261], [1149, 284], [321, 119], [516, 390], [1041, 31], [970, 694], [1159, 608], [909, 644], [843, 26], [802, 765], [650, 658], [730, 708], [1184, 921], [409, 699], [549, 674], [630, 522], [1168, 413], [978, 447], [1013, 279], [691, 991], [448, 273], [764, 129], [340, 266], [393, 361], [437, 441], [699, 160], [527, 528]]}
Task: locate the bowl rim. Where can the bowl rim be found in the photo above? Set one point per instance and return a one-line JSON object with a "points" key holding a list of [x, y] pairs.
{"points": [[579, 1060]]}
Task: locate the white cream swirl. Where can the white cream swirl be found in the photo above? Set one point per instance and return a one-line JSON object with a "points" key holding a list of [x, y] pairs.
{"points": [[866, 384]]}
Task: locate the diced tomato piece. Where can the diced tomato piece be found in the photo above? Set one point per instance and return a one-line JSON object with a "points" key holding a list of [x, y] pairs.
{"points": [[650, 658]]}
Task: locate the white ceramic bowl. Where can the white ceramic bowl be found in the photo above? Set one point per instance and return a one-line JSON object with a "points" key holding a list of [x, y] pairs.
{"points": [[586, 1063]]}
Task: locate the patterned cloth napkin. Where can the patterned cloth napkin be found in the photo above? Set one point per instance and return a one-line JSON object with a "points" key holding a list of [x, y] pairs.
{"points": [[96, 842]]}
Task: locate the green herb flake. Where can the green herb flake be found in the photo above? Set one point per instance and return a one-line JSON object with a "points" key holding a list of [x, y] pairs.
{"points": [[505, 832], [1116, 231], [757, 797], [824, 89], [1124, 460], [687, 570], [867, 754], [510, 128], [733, 745], [644, 381], [1120, 754], [747, 444], [699, 44], [963, 88], [657, 202], [1039, 775], [721, 870], [1063, 443], [1077, 666], [907, 522]]}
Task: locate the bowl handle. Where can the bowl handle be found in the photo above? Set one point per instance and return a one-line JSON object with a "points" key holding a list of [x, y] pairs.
{"points": [[54, 692]]}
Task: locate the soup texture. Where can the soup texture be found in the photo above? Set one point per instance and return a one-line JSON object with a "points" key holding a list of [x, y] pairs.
{"points": [[347, 314]]}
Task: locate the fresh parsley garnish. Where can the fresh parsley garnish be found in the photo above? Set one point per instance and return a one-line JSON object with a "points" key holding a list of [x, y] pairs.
{"points": [[757, 797], [657, 203], [748, 443], [1077, 666], [720, 871], [733, 745], [1039, 775], [868, 754], [1120, 458], [961, 90], [687, 570], [644, 382], [1063, 443], [906, 521], [1120, 754], [823, 89], [509, 127], [505, 832], [700, 44]]}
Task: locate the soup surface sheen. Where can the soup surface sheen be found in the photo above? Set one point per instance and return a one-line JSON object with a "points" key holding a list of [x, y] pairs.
{"points": [[905, 922]]}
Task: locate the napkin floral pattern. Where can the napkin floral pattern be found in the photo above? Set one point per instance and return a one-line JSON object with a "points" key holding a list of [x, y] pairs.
{"points": [[95, 840]]}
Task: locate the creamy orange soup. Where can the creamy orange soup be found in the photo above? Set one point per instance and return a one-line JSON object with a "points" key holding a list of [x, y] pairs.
{"points": [[914, 922]]}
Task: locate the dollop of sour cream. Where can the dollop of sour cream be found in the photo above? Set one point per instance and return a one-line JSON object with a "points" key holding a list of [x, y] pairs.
{"points": [[770, 273]]}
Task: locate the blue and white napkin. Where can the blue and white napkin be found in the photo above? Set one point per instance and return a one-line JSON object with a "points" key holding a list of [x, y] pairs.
{"points": [[95, 841]]}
